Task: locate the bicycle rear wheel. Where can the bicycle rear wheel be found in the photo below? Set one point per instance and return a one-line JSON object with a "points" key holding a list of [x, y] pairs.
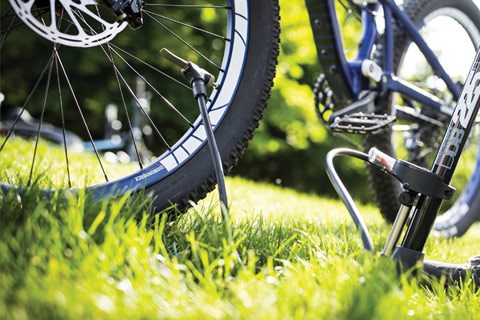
{"points": [[77, 59], [452, 29]]}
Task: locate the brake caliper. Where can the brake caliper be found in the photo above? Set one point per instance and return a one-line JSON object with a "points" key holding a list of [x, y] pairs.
{"points": [[129, 10]]}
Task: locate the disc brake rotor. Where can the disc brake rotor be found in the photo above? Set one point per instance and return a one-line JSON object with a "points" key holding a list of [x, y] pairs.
{"points": [[77, 23]]}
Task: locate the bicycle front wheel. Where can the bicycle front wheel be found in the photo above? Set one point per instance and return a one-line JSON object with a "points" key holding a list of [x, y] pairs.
{"points": [[65, 64], [451, 28]]}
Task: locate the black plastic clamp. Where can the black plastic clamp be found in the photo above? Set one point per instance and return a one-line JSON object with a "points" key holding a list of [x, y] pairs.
{"points": [[422, 181], [413, 178]]}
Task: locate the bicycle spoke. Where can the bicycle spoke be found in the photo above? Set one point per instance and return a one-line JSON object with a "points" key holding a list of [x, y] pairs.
{"points": [[151, 66], [132, 93], [14, 23], [62, 117], [24, 106], [183, 41], [37, 138], [124, 103], [132, 134], [87, 27], [11, 14], [5, 33], [188, 25], [190, 6], [169, 104], [77, 104]]}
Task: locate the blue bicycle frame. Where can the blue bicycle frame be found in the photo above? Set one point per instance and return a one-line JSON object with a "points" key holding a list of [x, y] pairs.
{"points": [[346, 78]]}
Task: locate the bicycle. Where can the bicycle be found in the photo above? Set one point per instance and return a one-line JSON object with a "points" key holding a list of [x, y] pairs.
{"points": [[237, 42]]}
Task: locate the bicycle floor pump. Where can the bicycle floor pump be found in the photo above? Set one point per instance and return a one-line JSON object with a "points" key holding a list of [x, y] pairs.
{"points": [[200, 79]]}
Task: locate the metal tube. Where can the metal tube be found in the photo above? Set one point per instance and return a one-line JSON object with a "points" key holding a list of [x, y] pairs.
{"points": [[396, 231]]}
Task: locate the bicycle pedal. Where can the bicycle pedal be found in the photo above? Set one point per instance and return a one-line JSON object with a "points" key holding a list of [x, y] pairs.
{"points": [[362, 123]]}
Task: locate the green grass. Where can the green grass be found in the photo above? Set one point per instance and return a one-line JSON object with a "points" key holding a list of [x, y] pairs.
{"points": [[295, 256], [50, 169]]}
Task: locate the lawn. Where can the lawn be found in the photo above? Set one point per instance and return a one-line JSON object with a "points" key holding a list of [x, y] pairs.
{"points": [[295, 256]]}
